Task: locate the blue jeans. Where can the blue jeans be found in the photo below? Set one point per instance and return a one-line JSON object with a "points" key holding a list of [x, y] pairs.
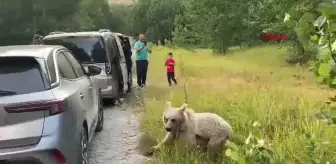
{"points": [[141, 69]]}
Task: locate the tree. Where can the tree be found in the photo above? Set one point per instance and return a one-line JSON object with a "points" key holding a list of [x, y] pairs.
{"points": [[20, 19]]}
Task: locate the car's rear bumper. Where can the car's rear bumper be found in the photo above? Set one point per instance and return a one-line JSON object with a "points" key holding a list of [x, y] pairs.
{"points": [[59, 139], [35, 154], [108, 92]]}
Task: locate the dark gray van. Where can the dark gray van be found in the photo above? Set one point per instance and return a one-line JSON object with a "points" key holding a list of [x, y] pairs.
{"points": [[100, 48]]}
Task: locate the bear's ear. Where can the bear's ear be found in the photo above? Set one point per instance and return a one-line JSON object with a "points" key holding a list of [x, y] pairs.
{"points": [[183, 107], [168, 105]]}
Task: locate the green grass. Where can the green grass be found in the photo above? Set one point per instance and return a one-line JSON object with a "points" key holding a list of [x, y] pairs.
{"points": [[243, 86]]}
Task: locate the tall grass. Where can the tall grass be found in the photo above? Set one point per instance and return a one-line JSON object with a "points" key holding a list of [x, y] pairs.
{"points": [[243, 86]]}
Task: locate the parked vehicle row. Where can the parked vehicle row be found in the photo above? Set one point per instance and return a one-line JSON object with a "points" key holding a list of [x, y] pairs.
{"points": [[51, 95]]}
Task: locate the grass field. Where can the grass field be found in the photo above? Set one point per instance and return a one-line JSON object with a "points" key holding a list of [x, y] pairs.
{"points": [[243, 86]]}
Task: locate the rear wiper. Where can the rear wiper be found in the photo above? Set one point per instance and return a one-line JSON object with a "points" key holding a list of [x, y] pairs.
{"points": [[5, 93]]}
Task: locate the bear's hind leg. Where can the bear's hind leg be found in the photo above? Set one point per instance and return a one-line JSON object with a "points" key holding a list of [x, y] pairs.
{"points": [[202, 143], [214, 147]]}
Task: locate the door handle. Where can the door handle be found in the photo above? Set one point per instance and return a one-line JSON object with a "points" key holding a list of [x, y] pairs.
{"points": [[81, 95]]}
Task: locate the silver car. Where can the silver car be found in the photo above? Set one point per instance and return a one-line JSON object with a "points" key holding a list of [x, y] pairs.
{"points": [[98, 48], [49, 107]]}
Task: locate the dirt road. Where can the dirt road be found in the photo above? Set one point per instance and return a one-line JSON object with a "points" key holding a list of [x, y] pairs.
{"points": [[117, 143]]}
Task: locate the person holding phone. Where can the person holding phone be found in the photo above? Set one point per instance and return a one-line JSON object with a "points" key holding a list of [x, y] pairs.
{"points": [[141, 51]]}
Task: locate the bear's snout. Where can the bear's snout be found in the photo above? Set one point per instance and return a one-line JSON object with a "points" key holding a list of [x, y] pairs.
{"points": [[168, 129]]}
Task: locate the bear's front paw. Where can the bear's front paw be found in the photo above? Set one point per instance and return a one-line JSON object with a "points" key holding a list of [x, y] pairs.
{"points": [[151, 151]]}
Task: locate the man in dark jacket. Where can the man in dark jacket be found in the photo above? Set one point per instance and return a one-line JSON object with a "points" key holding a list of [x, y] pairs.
{"points": [[128, 56]]}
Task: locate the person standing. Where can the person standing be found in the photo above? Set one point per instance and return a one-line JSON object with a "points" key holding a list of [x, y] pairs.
{"points": [[37, 39], [128, 56], [170, 64], [141, 50]]}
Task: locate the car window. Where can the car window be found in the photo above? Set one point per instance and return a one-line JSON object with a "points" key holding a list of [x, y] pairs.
{"points": [[20, 75], [77, 67], [65, 68], [51, 67], [120, 51], [116, 49], [112, 48], [86, 49]]}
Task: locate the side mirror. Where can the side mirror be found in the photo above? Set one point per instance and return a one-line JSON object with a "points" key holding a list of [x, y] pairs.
{"points": [[93, 70]]}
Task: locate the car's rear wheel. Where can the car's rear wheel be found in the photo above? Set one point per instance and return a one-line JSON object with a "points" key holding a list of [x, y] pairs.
{"points": [[83, 154], [100, 123]]}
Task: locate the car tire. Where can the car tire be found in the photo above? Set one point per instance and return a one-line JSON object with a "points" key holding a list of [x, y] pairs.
{"points": [[83, 147], [100, 123]]}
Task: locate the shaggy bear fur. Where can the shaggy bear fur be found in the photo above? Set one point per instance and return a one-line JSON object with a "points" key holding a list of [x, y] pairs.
{"points": [[206, 131]]}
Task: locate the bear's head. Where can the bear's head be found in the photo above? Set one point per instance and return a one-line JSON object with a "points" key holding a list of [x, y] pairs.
{"points": [[173, 118]]}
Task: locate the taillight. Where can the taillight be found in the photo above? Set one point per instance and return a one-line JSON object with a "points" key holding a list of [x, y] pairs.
{"points": [[59, 157], [54, 107]]}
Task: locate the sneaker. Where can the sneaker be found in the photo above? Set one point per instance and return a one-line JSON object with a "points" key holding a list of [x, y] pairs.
{"points": [[119, 102], [143, 86]]}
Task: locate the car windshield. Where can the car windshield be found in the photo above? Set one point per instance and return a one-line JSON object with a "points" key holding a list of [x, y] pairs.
{"points": [[85, 49], [20, 75]]}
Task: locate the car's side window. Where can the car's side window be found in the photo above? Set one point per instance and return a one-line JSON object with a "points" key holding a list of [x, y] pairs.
{"points": [[116, 49], [107, 49], [65, 68], [77, 67], [111, 47], [120, 52], [51, 67]]}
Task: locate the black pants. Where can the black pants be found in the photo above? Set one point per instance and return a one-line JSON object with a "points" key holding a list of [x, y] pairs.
{"points": [[171, 76], [141, 68], [129, 67], [129, 71]]}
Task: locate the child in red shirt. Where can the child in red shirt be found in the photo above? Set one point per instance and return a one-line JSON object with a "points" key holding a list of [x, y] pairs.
{"points": [[170, 64]]}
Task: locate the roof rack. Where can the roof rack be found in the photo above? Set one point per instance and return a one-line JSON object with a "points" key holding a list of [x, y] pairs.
{"points": [[119, 34], [56, 32], [104, 30]]}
